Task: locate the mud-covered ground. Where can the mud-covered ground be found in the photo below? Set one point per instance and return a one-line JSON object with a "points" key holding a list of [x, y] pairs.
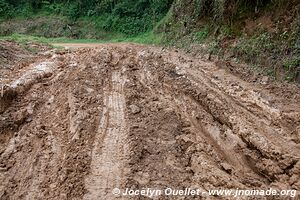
{"points": [[76, 124]]}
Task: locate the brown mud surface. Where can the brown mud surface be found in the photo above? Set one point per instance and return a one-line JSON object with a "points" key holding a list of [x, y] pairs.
{"points": [[76, 124]]}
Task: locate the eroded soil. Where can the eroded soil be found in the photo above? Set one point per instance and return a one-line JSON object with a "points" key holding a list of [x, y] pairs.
{"points": [[76, 124]]}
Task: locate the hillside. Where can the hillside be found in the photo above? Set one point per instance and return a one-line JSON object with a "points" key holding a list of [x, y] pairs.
{"points": [[264, 34]]}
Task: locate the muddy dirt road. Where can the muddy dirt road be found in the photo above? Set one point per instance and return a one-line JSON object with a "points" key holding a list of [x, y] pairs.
{"points": [[76, 124]]}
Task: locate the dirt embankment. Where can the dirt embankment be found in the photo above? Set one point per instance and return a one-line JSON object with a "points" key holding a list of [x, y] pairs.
{"points": [[83, 122]]}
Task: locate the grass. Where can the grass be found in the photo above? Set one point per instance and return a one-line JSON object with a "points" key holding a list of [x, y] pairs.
{"points": [[146, 38], [23, 39]]}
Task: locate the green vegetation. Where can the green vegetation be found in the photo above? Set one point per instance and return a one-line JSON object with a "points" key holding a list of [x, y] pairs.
{"points": [[146, 38], [292, 67], [201, 35], [130, 17], [23, 39]]}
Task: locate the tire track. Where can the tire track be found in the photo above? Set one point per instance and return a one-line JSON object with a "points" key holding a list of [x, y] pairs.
{"points": [[109, 158]]}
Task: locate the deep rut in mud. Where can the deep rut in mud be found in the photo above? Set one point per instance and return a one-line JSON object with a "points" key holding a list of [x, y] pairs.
{"points": [[83, 122], [109, 159]]}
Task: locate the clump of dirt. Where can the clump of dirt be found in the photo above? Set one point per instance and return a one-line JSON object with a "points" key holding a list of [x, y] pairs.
{"points": [[14, 60], [12, 52], [14, 56], [130, 116]]}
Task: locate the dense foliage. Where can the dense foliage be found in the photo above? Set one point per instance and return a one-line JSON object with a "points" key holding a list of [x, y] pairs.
{"points": [[126, 16]]}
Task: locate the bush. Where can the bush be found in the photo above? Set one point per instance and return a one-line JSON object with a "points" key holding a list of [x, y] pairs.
{"points": [[5, 9]]}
